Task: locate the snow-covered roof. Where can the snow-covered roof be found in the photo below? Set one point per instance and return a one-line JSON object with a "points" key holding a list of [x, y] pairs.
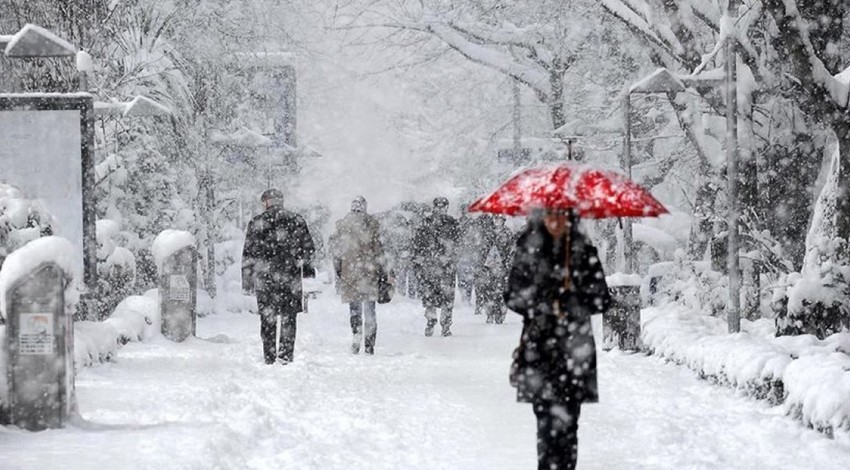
{"points": [[35, 41]]}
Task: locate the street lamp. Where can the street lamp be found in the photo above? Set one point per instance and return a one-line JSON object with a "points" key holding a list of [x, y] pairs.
{"points": [[35, 41], [663, 81]]}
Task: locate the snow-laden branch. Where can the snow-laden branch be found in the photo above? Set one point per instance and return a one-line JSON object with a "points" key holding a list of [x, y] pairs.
{"points": [[628, 15], [491, 52], [810, 70]]}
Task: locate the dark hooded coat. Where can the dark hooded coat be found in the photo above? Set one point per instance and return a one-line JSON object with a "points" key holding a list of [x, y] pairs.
{"points": [[556, 357], [277, 244]]}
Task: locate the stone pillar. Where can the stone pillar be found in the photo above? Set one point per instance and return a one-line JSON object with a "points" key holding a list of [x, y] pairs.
{"points": [[178, 280], [39, 348], [621, 324]]}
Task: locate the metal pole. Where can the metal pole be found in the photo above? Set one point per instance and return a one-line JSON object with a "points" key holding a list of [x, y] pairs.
{"points": [[517, 117], [628, 253], [733, 314]]}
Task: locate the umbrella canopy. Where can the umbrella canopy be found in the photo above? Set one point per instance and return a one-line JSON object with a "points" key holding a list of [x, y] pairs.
{"points": [[593, 192]]}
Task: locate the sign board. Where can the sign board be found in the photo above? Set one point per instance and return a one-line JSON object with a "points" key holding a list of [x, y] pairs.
{"points": [[178, 288], [47, 152], [35, 333]]}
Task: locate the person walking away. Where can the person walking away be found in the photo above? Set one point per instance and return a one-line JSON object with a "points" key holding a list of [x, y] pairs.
{"points": [[494, 271], [435, 250], [359, 262], [278, 246], [556, 282]]}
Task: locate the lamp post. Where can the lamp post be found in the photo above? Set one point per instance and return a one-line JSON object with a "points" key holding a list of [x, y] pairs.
{"points": [[662, 81]]}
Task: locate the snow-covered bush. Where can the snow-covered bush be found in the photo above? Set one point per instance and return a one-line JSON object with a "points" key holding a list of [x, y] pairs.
{"points": [[116, 268], [136, 318], [817, 300], [689, 283], [21, 220]]}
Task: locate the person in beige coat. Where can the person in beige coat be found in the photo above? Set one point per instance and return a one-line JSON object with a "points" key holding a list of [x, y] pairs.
{"points": [[359, 263]]}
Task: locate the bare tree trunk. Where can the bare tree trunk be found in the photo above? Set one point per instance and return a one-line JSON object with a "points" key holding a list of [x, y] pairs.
{"points": [[556, 98]]}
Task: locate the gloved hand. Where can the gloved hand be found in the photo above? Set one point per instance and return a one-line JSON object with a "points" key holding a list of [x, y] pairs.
{"points": [[308, 271]]}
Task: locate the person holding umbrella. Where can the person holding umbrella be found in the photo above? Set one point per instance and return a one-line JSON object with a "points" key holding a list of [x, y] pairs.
{"points": [[556, 283]]}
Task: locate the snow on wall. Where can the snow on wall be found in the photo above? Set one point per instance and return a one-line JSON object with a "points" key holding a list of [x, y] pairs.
{"points": [[169, 242]]}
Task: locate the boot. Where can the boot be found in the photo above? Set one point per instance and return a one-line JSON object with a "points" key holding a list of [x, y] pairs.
{"points": [[357, 332], [429, 327]]}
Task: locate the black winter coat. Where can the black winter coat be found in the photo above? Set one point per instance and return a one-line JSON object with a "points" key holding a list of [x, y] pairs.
{"points": [[435, 254], [277, 244], [556, 357]]}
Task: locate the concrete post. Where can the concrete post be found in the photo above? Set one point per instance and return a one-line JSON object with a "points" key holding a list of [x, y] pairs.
{"points": [[39, 347], [178, 280]]}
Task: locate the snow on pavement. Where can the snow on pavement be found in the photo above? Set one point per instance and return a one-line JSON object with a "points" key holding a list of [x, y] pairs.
{"points": [[419, 403]]}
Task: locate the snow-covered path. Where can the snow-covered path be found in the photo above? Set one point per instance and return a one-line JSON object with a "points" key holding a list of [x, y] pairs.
{"points": [[429, 403]]}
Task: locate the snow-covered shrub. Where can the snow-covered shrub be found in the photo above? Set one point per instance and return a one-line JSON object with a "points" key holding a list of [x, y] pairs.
{"points": [[689, 283], [818, 298], [116, 268], [21, 220], [136, 318]]}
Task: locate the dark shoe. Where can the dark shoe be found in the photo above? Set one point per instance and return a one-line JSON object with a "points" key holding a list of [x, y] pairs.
{"points": [[429, 328], [370, 350], [355, 348], [446, 331]]}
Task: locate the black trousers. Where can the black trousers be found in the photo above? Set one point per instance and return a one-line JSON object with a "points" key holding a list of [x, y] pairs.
{"points": [[557, 435], [271, 306]]}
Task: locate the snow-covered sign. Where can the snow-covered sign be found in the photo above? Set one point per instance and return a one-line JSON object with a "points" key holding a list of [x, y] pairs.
{"points": [[35, 333], [46, 152], [178, 288]]}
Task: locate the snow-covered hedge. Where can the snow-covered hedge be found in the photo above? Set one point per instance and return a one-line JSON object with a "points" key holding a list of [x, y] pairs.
{"points": [[808, 376], [136, 318]]}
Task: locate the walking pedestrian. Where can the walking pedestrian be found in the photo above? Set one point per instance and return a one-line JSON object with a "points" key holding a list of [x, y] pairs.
{"points": [[556, 282], [435, 252], [360, 263], [493, 273], [277, 252]]}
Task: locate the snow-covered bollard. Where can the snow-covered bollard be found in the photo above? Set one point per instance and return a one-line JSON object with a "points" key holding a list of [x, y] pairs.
{"points": [[177, 263], [621, 324], [37, 301]]}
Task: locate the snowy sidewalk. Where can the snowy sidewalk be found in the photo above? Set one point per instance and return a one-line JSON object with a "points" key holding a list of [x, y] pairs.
{"points": [[429, 403]]}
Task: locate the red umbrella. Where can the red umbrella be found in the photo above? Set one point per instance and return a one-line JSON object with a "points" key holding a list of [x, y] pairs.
{"points": [[593, 192]]}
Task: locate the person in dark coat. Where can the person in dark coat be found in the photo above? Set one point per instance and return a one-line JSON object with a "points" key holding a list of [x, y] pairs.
{"points": [[492, 275], [554, 366], [435, 256], [278, 246]]}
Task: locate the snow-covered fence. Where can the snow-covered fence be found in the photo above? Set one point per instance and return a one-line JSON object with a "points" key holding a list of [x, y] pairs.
{"points": [[809, 377]]}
